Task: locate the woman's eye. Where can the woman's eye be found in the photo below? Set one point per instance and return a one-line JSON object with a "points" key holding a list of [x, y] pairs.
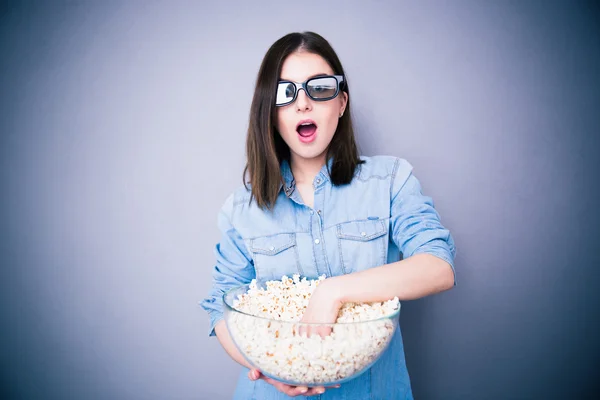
{"points": [[289, 91]]}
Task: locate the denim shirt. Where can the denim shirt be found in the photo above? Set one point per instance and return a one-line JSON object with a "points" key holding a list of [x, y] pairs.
{"points": [[381, 216]]}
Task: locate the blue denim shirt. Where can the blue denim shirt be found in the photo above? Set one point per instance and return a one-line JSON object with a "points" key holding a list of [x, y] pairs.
{"points": [[380, 216]]}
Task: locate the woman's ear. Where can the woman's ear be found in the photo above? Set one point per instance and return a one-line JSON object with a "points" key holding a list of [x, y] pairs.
{"points": [[344, 102]]}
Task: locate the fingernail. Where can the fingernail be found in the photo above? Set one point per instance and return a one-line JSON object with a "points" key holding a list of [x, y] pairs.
{"points": [[320, 391], [303, 390]]}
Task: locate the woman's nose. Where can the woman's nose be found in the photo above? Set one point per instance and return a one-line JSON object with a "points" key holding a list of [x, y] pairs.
{"points": [[303, 102]]}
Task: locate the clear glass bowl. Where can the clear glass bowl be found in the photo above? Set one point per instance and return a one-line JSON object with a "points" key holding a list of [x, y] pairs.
{"points": [[307, 354]]}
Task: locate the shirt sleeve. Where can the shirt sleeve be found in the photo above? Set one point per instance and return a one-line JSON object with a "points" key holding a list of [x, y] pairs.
{"points": [[415, 224], [233, 267]]}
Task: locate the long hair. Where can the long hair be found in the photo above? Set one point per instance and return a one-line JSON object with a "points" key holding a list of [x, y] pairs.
{"points": [[265, 149]]}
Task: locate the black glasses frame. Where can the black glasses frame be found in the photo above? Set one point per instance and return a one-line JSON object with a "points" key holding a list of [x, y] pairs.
{"points": [[304, 86]]}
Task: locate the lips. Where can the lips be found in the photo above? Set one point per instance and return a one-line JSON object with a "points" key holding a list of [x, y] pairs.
{"points": [[306, 129]]}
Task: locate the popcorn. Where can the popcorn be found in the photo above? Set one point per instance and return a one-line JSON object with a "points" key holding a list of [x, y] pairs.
{"points": [[276, 345]]}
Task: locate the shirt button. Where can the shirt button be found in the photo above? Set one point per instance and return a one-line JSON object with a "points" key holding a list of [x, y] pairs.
{"points": [[319, 212], [317, 241], [363, 234], [271, 248], [318, 181]]}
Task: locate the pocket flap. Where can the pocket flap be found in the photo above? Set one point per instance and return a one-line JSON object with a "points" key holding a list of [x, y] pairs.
{"points": [[271, 245], [362, 230]]}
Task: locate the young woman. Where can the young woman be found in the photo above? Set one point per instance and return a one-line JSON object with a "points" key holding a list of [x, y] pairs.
{"points": [[315, 207]]}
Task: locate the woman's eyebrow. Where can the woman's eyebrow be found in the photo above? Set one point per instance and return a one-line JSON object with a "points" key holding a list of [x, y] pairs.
{"points": [[310, 77]]}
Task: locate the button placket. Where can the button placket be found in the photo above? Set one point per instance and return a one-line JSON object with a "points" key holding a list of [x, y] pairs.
{"points": [[318, 234]]}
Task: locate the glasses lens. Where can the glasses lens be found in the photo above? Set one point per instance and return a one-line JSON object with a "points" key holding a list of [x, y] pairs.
{"points": [[322, 88], [285, 92]]}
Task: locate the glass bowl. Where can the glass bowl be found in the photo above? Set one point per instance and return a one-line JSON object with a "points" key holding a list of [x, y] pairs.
{"points": [[301, 354]]}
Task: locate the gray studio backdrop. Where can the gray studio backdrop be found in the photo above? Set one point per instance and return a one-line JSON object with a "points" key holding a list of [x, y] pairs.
{"points": [[122, 132]]}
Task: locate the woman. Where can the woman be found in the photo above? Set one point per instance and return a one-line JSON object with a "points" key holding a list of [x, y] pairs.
{"points": [[315, 207]]}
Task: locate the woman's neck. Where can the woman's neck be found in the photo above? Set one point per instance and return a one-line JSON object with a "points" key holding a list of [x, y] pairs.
{"points": [[305, 169]]}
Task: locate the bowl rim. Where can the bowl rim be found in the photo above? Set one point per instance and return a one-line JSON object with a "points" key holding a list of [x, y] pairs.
{"points": [[231, 308]]}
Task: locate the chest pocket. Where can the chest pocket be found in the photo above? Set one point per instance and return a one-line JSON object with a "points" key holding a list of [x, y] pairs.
{"points": [[275, 256], [362, 244]]}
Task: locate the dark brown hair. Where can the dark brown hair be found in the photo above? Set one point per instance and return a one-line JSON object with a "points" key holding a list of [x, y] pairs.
{"points": [[265, 149]]}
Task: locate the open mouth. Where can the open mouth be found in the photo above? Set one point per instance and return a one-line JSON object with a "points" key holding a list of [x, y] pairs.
{"points": [[306, 129]]}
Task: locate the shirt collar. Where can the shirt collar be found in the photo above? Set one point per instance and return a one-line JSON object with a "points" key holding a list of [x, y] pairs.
{"points": [[289, 184]]}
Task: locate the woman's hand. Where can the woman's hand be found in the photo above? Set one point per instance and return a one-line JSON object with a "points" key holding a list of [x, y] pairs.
{"points": [[323, 308], [292, 391]]}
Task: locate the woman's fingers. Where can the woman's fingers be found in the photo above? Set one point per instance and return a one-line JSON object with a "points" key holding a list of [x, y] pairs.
{"points": [[292, 391], [298, 390], [324, 330], [310, 330], [317, 390], [254, 374]]}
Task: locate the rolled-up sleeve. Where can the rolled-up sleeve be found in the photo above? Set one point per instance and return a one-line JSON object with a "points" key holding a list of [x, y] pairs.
{"points": [[233, 265], [415, 223]]}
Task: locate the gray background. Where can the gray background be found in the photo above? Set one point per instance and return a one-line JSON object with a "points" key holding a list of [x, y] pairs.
{"points": [[122, 132]]}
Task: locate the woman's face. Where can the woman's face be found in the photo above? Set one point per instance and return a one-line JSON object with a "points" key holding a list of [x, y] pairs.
{"points": [[307, 126]]}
